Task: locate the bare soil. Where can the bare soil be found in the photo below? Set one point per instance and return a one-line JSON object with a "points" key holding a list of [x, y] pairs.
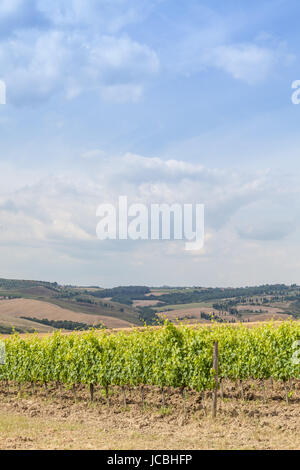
{"points": [[37, 421]]}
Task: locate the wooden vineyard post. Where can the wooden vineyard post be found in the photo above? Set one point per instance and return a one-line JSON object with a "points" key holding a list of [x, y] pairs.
{"points": [[107, 395], [92, 391], [74, 392], [215, 367], [143, 396], [163, 400], [60, 389], [124, 397], [286, 392]]}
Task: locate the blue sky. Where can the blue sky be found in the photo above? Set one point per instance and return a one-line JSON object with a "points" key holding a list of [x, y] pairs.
{"points": [[163, 100]]}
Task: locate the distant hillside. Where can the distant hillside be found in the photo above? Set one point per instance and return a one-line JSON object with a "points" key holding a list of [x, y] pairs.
{"points": [[46, 306], [58, 304], [23, 284]]}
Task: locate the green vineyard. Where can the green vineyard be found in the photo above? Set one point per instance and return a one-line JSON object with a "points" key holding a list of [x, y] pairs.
{"points": [[179, 357], [168, 356]]}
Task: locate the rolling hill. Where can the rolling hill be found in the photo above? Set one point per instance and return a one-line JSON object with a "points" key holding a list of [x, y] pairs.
{"points": [[23, 302], [43, 306]]}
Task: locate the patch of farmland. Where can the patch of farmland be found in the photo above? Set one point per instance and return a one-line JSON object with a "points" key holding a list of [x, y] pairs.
{"points": [[114, 309], [159, 292], [17, 308], [156, 293], [256, 308], [200, 305], [268, 316], [145, 303], [187, 313], [25, 325], [38, 291]]}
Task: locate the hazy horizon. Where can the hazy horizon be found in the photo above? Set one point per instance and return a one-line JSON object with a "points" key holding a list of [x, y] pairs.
{"points": [[165, 286]]}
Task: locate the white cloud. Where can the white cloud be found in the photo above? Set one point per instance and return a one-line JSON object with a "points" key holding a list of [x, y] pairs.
{"points": [[248, 217], [109, 16], [247, 62], [38, 65], [67, 48], [212, 41], [267, 220], [33, 65], [120, 66], [243, 202], [105, 16]]}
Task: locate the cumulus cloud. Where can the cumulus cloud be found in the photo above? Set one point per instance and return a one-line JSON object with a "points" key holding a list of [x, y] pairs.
{"points": [[249, 62], [56, 53], [267, 220], [70, 47], [252, 205], [38, 65], [247, 217], [212, 41]]}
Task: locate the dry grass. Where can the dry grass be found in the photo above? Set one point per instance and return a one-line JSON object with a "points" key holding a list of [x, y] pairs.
{"points": [[36, 422]]}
